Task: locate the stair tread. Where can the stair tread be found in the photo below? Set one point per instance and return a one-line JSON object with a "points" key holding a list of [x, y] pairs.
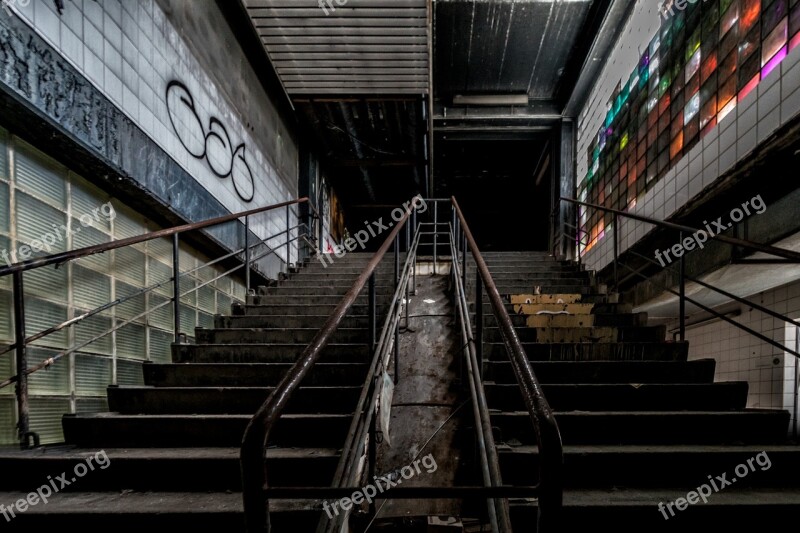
{"points": [[297, 416], [699, 449], [114, 454], [629, 497], [149, 503]]}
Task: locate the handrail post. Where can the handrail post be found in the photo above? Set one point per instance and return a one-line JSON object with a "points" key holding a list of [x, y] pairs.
{"points": [[464, 258], [176, 285], [397, 324], [414, 266], [435, 233], [288, 237], [23, 413], [616, 253], [682, 297], [247, 254], [371, 312], [479, 321]]}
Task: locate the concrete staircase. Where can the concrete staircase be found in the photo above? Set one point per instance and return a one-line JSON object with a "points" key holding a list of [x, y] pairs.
{"points": [[641, 424], [173, 444]]}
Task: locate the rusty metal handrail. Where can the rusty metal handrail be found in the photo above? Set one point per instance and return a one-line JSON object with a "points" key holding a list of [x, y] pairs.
{"points": [[254, 443], [63, 257], [548, 436]]}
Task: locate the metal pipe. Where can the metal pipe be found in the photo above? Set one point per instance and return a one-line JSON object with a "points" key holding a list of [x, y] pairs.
{"points": [[616, 253], [23, 409], [682, 297], [490, 464], [479, 320], [288, 236], [372, 317], [551, 457], [176, 286], [435, 234], [247, 254]]}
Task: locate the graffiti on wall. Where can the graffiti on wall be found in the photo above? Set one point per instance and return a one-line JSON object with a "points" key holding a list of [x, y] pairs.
{"points": [[212, 144]]}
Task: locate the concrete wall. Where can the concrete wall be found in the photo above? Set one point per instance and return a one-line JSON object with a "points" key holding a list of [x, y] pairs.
{"points": [[131, 50], [743, 357]]}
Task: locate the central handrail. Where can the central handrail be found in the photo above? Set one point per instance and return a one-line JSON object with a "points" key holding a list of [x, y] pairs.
{"points": [[254, 443], [548, 436]]}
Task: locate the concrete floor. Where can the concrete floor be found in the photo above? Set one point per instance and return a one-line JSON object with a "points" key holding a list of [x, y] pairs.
{"points": [[426, 395]]}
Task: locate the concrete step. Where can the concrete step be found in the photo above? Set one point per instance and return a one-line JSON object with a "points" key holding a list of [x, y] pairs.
{"points": [[167, 469], [685, 466], [309, 289], [625, 396], [594, 307], [305, 309], [525, 274], [133, 512], [590, 351], [284, 321], [227, 400], [260, 353], [250, 375], [581, 334], [627, 320], [114, 430], [636, 510], [381, 278], [319, 300], [652, 427], [667, 372], [278, 336]]}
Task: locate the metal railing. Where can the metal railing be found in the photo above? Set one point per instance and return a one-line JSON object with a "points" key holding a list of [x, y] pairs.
{"points": [[254, 443], [499, 515], [363, 429], [361, 437], [549, 489], [789, 256], [21, 340]]}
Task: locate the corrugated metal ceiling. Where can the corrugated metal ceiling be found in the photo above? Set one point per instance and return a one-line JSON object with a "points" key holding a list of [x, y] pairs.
{"points": [[359, 47], [504, 46]]}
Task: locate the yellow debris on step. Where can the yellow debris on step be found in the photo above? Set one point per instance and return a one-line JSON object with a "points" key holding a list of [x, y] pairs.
{"points": [[571, 309], [560, 321], [544, 298]]}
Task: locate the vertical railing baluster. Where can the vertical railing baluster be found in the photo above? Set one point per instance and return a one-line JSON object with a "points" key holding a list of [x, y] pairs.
{"points": [[288, 237], [23, 409], [682, 304], [176, 285], [247, 254], [616, 254], [479, 320], [371, 312], [435, 233]]}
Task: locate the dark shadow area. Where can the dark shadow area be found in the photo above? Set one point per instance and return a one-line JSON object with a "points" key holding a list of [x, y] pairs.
{"points": [[495, 182]]}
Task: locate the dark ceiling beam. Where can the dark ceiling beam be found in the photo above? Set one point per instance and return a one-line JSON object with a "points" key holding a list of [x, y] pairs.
{"points": [[361, 163], [605, 38], [598, 11], [535, 108]]}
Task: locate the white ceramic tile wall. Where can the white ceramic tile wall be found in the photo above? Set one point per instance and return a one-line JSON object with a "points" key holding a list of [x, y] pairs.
{"points": [[774, 102], [639, 30], [130, 51], [742, 357]]}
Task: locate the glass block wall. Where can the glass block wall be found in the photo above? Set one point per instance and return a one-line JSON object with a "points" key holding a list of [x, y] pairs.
{"points": [[702, 61], [40, 197]]}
